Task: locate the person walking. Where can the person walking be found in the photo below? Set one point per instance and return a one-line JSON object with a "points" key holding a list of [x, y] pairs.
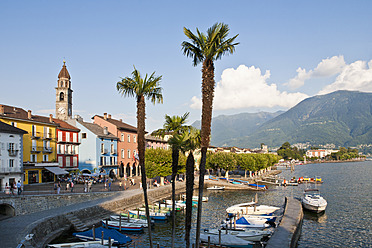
{"points": [[110, 185], [72, 186], [19, 187], [55, 188], [120, 184], [59, 188], [67, 186]]}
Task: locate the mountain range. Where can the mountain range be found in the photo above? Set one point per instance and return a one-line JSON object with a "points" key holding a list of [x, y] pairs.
{"points": [[342, 118]]}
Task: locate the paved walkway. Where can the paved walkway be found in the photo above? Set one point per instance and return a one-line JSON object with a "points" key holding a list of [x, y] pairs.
{"points": [[13, 230]]}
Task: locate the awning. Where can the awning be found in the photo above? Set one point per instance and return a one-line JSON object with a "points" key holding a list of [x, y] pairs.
{"points": [[56, 170]]}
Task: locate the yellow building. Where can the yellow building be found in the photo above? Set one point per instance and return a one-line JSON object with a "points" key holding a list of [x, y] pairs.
{"points": [[39, 144]]}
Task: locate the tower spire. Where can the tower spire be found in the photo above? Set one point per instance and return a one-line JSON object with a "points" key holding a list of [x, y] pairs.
{"points": [[64, 73]]}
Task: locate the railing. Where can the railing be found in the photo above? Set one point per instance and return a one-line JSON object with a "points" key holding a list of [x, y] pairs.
{"points": [[12, 152], [47, 149], [104, 151], [113, 151], [69, 152], [36, 149], [35, 135], [15, 169], [48, 136]]}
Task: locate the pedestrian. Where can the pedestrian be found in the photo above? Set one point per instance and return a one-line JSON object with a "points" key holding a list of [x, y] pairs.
{"points": [[55, 188], [105, 185], [120, 184], [140, 185], [110, 185], [90, 186], [19, 187], [67, 186], [125, 185], [72, 186], [58, 187], [85, 187]]}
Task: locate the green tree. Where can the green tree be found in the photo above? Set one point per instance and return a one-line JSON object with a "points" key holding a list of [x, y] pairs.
{"points": [[174, 125], [158, 162], [205, 49], [141, 88], [246, 162]]}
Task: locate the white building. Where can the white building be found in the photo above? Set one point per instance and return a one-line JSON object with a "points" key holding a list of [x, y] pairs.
{"points": [[11, 155], [320, 153]]}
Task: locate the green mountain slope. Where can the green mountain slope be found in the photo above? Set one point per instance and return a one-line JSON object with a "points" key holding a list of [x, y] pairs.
{"points": [[227, 128], [343, 118]]}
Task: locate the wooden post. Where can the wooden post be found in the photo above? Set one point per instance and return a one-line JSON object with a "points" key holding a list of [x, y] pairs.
{"points": [[120, 222], [235, 222], [102, 240], [158, 245], [109, 242], [209, 241], [106, 223], [230, 223], [128, 215], [94, 233], [256, 198], [219, 236], [138, 213]]}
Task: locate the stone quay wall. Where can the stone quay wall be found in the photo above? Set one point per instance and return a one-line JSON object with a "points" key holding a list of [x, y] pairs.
{"points": [[31, 204]]}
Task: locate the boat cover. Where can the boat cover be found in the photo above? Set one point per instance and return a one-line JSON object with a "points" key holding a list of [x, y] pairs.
{"points": [[120, 239]]}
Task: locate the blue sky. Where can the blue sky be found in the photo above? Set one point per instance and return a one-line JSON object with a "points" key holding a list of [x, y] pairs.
{"points": [[288, 50]]}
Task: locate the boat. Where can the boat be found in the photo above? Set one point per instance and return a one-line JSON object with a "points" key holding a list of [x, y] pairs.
{"points": [[258, 219], [153, 215], [227, 240], [117, 238], [215, 187], [196, 198], [90, 244], [249, 235], [313, 201], [251, 208], [260, 186], [142, 222], [125, 226], [244, 223]]}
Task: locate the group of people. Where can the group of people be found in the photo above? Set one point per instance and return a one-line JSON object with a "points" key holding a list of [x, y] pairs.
{"points": [[58, 186], [10, 189]]}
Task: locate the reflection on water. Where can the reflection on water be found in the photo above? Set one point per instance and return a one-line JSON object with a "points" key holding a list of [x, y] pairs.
{"points": [[346, 222]]}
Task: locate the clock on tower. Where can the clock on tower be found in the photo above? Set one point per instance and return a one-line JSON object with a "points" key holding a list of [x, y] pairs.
{"points": [[63, 95]]}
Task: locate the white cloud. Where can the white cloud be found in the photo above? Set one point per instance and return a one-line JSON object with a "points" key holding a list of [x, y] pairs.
{"points": [[246, 87], [326, 68], [355, 76]]}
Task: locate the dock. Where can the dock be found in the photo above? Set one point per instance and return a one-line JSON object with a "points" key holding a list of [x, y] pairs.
{"points": [[288, 232]]}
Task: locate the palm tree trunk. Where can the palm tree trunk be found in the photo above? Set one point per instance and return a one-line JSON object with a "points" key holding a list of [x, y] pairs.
{"points": [[207, 106], [190, 163], [141, 154], [175, 156]]}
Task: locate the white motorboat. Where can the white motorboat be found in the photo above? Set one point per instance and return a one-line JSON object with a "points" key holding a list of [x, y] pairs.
{"points": [[313, 201], [251, 208], [215, 187], [249, 235], [226, 240], [196, 198], [243, 223], [259, 219], [91, 244], [127, 219]]}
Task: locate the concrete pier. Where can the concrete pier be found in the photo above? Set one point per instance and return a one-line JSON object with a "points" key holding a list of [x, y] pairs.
{"points": [[288, 232]]}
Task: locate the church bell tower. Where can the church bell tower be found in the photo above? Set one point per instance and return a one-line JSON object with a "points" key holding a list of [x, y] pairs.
{"points": [[64, 95]]}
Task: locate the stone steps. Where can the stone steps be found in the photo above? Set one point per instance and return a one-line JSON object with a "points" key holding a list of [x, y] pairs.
{"points": [[78, 225]]}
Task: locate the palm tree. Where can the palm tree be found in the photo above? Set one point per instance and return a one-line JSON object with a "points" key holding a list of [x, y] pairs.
{"points": [[205, 49], [141, 88], [175, 126]]}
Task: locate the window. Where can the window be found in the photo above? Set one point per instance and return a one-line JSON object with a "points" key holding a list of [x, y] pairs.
{"points": [[45, 158], [59, 136], [11, 163], [11, 147], [128, 138], [122, 137], [134, 138], [112, 149], [61, 96], [128, 153], [68, 162], [33, 158], [74, 136], [84, 135], [33, 130], [75, 162], [122, 153], [59, 149], [102, 148], [14, 124], [67, 136], [60, 161], [103, 161], [76, 149]]}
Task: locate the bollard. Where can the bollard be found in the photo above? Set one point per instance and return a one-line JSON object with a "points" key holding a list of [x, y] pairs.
{"points": [[102, 240], [209, 242], [120, 222], [109, 242], [219, 236], [230, 223], [106, 223], [138, 213], [158, 245], [94, 233], [235, 222], [128, 215]]}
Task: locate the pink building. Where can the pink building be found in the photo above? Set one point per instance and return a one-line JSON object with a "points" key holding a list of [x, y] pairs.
{"points": [[127, 143], [155, 142]]}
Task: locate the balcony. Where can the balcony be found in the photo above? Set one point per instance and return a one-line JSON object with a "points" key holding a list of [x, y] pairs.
{"points": [[104, 151], [113, 151], [8, 170], [36, 149], [70, 152], [35, 135], [12, 152], [47, 149]]}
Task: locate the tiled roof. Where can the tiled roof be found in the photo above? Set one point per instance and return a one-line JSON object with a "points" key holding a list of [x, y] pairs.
{"points": [[119, 124], [64, 73], [5, 128], [97, 130], [19, 113], [153, 138], [65, 125]]}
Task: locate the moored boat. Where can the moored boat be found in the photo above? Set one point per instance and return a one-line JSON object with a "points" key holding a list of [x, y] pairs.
{"points": [[153, 215], [244, 223], [226, 240], [249, 235], [196, 198], [125, 226], [127, 219], [117, 238], [313, 201], [251, 208], [215, 187]]}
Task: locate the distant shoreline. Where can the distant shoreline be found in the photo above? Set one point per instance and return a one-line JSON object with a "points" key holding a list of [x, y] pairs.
{"points": [[336, 161]]}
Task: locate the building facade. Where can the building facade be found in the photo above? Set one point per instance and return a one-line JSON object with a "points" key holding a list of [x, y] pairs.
{"points": [[156, 142], [127, 143], [11, 157], [67, 145], [97, 150]]}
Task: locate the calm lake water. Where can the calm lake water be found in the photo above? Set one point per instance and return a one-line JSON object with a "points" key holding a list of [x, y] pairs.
{"points": [[347, 221]]}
